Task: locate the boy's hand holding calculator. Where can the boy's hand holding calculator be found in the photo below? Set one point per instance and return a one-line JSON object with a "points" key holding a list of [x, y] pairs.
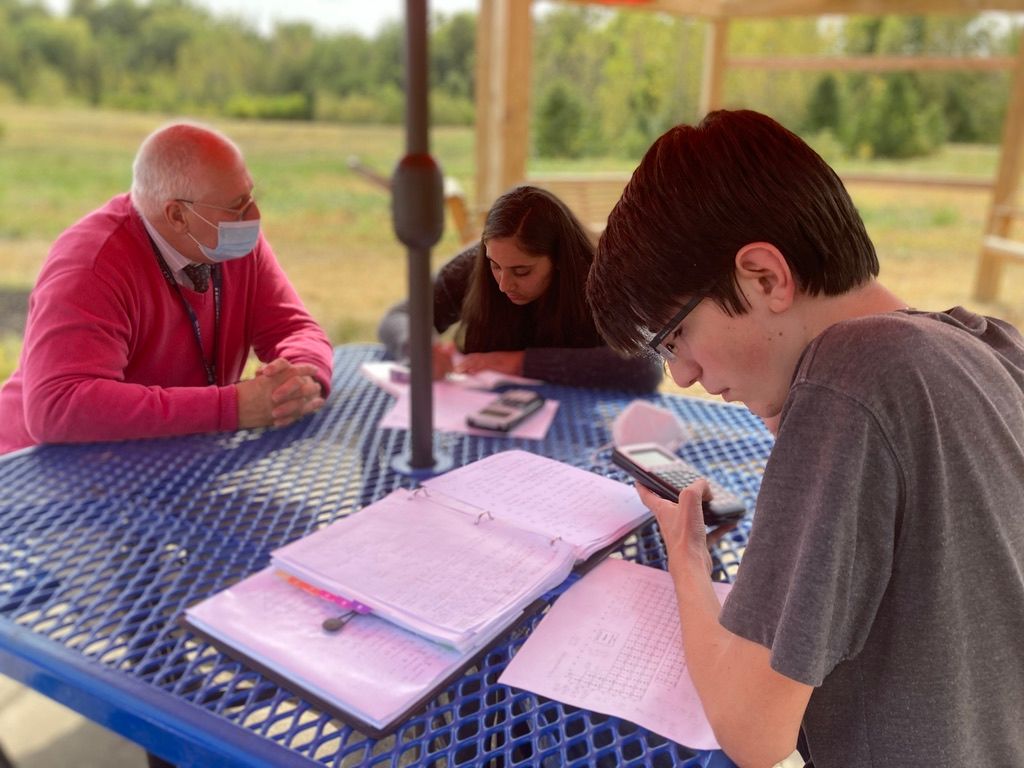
{"points": [[657, 468]]}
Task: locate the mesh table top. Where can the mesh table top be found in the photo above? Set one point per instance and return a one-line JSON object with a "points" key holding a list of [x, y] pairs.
{"points": [[102, 547]]}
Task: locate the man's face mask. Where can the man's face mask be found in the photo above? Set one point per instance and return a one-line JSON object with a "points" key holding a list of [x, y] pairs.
{"points": [[235, 239], [642, 422]]}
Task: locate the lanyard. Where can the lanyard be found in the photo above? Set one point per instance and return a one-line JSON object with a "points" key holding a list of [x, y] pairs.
{"points": [[210, 366]]}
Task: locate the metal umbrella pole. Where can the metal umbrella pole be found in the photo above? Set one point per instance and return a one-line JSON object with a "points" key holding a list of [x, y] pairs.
{"points": [[417, 212]]}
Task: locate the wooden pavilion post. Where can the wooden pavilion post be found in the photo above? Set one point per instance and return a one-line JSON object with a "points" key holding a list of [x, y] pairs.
{"points": [[996, 247], [504, 62], [713, 74]]}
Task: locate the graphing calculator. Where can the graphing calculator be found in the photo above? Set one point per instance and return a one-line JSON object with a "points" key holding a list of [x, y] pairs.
{"points": [[666, 474], [506, 411]]}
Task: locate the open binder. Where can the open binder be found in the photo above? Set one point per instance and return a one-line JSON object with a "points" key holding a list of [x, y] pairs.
{"points": [[445, 570], [371, 675]]}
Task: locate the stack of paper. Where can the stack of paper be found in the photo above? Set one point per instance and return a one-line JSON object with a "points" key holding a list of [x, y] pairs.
{"points": [[471, 548], [370, 673], [441, 571], [445, 569]]}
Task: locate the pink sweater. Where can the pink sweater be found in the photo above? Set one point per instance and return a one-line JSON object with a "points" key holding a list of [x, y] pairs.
{"points": [[110, 352]]}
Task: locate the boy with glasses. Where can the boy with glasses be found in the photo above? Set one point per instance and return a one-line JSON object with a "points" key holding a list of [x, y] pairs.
{"points": [[880, 602], [146, 310]]}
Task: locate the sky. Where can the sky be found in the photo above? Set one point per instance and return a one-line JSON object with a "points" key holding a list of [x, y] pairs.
{"points": [[328, 16]]}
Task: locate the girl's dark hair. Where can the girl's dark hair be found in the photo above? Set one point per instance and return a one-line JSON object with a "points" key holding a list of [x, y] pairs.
{"points": [[698, 196], [541, 225]]}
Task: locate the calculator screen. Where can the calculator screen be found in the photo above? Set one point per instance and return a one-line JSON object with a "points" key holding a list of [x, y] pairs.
{"points": [[651, 457]]}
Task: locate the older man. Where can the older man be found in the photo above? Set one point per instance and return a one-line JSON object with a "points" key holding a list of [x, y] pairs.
{"points": [[146, 310]]}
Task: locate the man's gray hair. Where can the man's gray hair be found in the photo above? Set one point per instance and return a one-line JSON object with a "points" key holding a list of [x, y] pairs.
{"points": [[167, 164]]}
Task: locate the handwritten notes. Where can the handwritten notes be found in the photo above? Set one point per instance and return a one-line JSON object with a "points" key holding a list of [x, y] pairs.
{"points": [[429, 567], [559, 500], [612, 644], [471, 548], [276, 627]]}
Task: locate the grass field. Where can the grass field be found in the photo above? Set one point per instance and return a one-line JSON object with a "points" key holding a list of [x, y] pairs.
{"points": [[331, 228]]}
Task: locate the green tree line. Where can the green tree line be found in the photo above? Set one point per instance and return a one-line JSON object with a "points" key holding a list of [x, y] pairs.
{"points": [[172, 56], [605, 82], [615, 81]]}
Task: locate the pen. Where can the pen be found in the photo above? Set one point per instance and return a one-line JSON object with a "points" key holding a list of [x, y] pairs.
{"points": [[349, 605]]}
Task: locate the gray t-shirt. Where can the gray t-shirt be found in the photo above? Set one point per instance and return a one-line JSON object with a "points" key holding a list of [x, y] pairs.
{"points": [[886, 561]]}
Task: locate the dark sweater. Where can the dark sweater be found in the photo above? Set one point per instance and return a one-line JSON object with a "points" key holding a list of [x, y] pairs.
{"points": [[578, 366]]}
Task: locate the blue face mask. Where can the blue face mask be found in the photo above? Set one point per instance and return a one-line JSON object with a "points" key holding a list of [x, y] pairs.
{"points": [[235, 239]]}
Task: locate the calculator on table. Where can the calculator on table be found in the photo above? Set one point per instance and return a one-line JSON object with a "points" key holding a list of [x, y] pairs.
{"points": [[656, 467], [506, 411]]}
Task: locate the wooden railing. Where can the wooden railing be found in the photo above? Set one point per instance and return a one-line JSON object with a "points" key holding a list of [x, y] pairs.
{"points": [[454, 198], [592, 196]]}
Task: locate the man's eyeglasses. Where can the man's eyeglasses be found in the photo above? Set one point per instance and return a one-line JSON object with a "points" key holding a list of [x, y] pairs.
{"points": [[238, 212], [658, 343]]}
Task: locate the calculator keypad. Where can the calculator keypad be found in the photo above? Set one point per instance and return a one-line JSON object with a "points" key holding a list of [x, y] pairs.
{"points": [[679, 477], [722, 498]]}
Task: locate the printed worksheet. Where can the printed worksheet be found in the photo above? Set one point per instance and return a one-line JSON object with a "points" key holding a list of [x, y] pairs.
{"points": [[612, 644]]}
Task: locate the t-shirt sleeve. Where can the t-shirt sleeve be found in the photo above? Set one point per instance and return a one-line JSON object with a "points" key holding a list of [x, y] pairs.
{"points": [[822, 545]]}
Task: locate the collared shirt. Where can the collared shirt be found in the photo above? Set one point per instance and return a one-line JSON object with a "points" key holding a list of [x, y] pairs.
{"points": [[176, 262]]}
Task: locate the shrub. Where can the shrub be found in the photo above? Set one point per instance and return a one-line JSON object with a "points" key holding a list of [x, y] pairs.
{"points": [[559, 122], [289, 106]]}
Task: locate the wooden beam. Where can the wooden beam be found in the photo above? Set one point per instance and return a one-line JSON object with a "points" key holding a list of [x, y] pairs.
{"points": [[504, 60], [1004, 194], [769, 8], [715, 63], [916, 180], [761, 9], [874, 63], [1004, 247], [756, 9]]}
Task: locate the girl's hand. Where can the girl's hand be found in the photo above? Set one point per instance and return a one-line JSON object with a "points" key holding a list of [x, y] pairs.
{"points": [[502, 362]]}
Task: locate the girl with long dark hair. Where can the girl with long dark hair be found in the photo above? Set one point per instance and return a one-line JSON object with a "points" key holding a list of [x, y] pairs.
{"points": [[518, 299]]}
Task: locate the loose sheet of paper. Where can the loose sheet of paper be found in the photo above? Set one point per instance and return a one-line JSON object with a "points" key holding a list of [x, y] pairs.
{"points": [[452, 404], [612, 644], [380, 374]]}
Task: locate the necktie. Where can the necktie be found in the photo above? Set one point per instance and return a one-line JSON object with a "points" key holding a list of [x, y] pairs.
{"points": [[199, 274]]}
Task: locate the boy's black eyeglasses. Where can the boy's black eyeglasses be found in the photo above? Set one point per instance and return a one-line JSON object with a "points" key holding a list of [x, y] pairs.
{"points": [[658, 342]]}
